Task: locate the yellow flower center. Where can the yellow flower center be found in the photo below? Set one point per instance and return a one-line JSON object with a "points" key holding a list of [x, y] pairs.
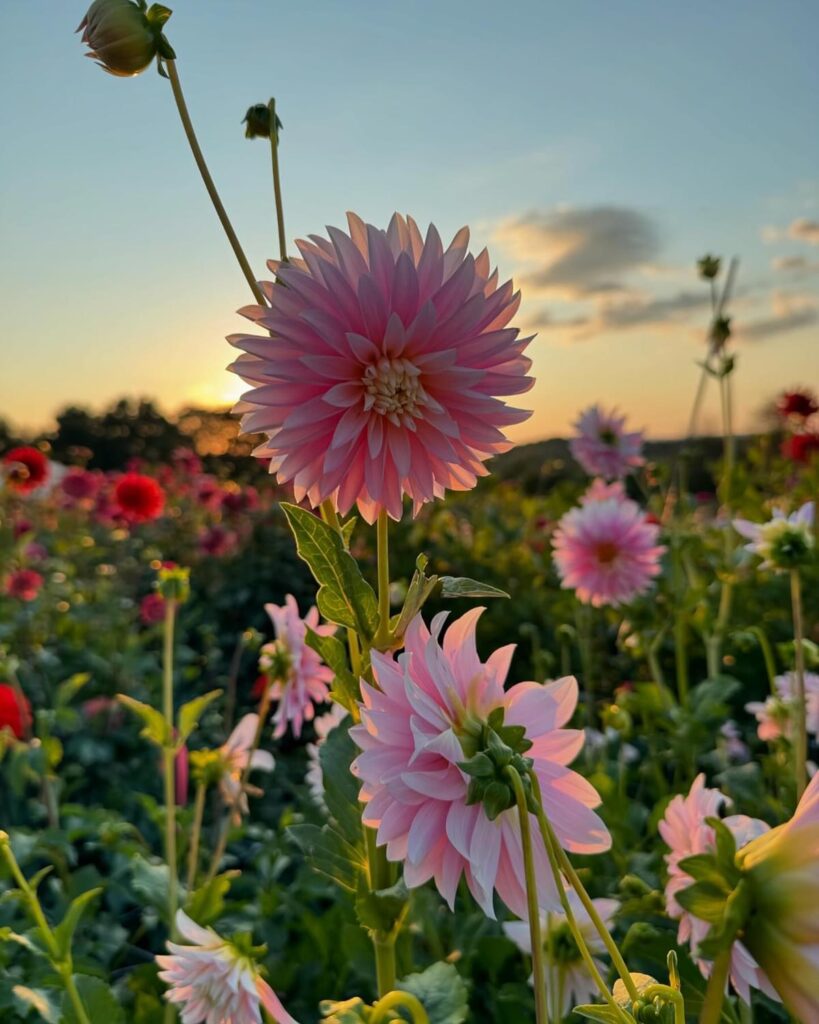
{"points": [[392, 388]]}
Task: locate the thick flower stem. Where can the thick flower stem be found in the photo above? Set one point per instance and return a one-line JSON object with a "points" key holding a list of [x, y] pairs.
{"points": [[168, 757], [715, 992], [62, 964], [277, 185], [196, 834], [385, 1010], [801, 737], [533, 909], [380, 877], [221, 213], [382, 637], [568, 870]]}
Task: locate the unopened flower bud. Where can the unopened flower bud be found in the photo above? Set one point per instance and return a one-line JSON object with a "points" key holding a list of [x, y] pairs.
{"points": [[257, 122], [708, 267], [124, 37], [720, 331], [174, 584]]}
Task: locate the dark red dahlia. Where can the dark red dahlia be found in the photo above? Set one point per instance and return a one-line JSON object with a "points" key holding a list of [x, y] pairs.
{"points": [[79, 484], [139, 497], [152, 609], [801, 447], [15, 711], [24, 584], [26, 468], [797, 404]]}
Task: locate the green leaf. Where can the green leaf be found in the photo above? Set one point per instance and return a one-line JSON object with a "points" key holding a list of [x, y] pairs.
{"points": [[38, 999], [442, 992], [462, 586], [7, 935], [380, 911], [207, 903], [190, 713], [155, 728], [704, 900], [329, 854], [98, 1000], [69, 689], [150, 881], [336, 755], [703, 867], [344, 596], [332, 651], [64, 932], [726, 849]]}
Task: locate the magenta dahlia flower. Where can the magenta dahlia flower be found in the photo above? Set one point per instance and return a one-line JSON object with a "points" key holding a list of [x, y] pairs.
{"points": [[603, 446], [607, 551], [413, 729], [303, 679], [685, 832], [214, 981], [383, 367]]}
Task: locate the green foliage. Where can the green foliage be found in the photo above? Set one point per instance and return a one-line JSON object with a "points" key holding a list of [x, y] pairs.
{"points": [[98, 1000], [442, 992]]}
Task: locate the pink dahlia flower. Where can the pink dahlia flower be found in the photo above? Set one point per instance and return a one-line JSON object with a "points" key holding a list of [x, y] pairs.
{"points": [[566, 971], [213, 981], [603, 446], [383, 367], [606, 551], [416, 795], [236, 756], [305, 678], [685, 832], [776, 715]]}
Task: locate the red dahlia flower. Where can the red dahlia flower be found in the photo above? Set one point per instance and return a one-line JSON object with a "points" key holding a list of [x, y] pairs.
{"points": [[24, 584], [800, 447], [140, 498], [797, 404], [26, 469], [14, 713]]}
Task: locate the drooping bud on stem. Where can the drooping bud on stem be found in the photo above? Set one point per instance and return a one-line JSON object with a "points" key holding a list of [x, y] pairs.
{"points": [[125, 36]]}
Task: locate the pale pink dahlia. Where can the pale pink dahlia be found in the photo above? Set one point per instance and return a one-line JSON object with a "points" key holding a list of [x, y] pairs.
{"points": [[566, 973], [776, 716], [607, 551], [603, 446], [303, 679], [237, 756], [215, 982], [415, 726], [381, 372], [686, 833]]}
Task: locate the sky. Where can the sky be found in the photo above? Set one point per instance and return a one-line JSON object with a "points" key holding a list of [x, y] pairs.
{"points": [[597, 149]]}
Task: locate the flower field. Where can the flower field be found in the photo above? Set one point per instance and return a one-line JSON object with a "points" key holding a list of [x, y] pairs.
{"points": [[388, 722]]}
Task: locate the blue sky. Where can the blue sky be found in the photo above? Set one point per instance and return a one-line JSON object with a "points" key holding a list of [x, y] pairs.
{"points": [[597, 148]]}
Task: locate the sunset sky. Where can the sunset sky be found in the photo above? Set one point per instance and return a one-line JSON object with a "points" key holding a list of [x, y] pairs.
{"points": [[597, 149]]}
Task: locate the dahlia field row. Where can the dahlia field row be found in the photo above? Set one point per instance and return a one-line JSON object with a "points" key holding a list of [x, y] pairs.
{"points": [[383, 738]]}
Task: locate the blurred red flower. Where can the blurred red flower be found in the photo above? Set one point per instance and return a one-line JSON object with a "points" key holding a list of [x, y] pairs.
{"points": [[797, 404], [79, 484], [800, 447], [140, 498], [26, 469], [24, 584], [13, 714], [152, 609]]}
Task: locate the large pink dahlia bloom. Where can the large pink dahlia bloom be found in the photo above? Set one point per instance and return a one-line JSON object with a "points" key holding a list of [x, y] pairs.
{"points": [[214, 982], [416, 795], [603, 446], [685, 832], [607, 551], [383, 364]]}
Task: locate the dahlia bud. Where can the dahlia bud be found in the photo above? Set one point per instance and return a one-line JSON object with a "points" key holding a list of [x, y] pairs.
{"points": [[708, 267], [720, 331], [257, 122], [124, 36], [174, 584]]}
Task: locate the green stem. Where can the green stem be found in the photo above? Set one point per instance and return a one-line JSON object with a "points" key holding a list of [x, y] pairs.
{"points": [[715, 992], [532, 907], [382, 637], [380, 877], [221, 213], [196, 834], [767, 654], [673, 995], [584, 638], [62, 964], [398, 1000], [168, 756], [801, 739], [568, 870], [277, 185]]}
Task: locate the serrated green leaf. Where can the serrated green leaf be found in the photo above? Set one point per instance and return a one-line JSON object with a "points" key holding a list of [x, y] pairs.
{"points": [[207, 903], [38, 999], [442, 993], [344, 596], [462, 586], [190, 713], [329, 854], [155, 729], [64, 932], [98, 1000]]}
